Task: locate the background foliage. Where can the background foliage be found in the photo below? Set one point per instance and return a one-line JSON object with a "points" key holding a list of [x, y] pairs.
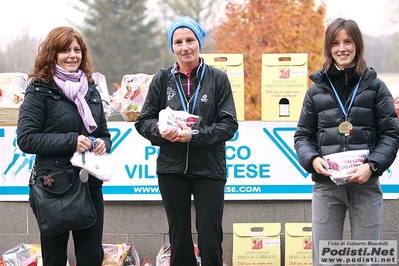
{"points": [[269, 27]]}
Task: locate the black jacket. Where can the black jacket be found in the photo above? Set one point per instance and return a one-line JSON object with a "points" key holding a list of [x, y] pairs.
{"points": [[375, 122], [49, 125], [204, 155]]}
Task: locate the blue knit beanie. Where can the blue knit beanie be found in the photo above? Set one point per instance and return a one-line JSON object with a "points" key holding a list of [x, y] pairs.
{"points": [[186, 22]]}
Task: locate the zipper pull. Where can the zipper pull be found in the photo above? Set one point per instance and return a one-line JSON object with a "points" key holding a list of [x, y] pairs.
{"points": [[188, 84]]}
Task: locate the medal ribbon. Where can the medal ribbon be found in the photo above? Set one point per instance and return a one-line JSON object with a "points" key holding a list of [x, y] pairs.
{"points": [[180, 90], [346, 113]]}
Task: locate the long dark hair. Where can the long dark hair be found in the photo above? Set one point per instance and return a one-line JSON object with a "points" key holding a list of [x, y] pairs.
{"points": [[57, 41], [354, 33]]}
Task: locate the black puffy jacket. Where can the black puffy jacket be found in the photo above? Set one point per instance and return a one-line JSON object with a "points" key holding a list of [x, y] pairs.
{"points": [[49, 125], [205, 154], [375, 123]]}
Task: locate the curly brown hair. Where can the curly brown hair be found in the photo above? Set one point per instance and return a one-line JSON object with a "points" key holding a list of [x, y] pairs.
{"points": [[354, 33], [58, 40]]}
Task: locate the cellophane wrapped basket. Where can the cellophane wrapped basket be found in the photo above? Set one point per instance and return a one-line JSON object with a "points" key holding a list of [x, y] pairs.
{"points": [[130, 96], [12, 88], [130, 116], [102, 88]]}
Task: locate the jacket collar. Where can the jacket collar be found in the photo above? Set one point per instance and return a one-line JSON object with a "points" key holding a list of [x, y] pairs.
{"points": [[319, 77]]}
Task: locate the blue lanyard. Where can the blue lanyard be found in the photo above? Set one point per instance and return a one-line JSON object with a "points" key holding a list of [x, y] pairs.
{"points": [[93, 146], [180, 90], [346, 113]]}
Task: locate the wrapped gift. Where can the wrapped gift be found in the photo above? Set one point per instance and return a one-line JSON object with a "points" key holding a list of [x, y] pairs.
{"points": [[12, 88], [23, 254], [163, 257], [102, 87], [394, 89], [120, 255], [130, 96]]}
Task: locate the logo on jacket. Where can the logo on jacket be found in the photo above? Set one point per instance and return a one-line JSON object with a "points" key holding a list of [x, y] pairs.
{"points": [[204, 98], [170, 93]]}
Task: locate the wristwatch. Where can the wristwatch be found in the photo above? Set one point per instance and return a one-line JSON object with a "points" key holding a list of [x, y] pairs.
{"points": [[373, 167]]}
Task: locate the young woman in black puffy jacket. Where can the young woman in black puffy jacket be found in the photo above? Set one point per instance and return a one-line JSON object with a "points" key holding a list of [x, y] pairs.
{"points": [[349, 111]]}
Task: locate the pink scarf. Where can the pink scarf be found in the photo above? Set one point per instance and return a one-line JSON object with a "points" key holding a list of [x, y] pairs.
{"points": [[75, 86]]}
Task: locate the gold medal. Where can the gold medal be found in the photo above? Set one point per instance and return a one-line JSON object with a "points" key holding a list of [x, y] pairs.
{"points": [[345, 128]]}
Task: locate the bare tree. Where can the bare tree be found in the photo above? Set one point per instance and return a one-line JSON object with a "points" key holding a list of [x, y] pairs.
{"points": [[122, 38], [19, 54], [392, 10], [393, 15], [205, 12]]}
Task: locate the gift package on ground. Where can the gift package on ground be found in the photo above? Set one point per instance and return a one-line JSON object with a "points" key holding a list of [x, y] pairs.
{"points": [[23, 254], [284, 84], [30, 255], [233, 66], [163, 256], [298, 244], [256, 244], [120, 254]]}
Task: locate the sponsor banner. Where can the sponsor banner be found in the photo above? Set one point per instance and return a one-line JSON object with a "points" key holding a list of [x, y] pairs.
{"points": [[261, 164]]}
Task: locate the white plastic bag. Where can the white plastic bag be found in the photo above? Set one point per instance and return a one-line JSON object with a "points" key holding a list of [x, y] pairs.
{"points": [[339, 163], [167, 119], [101, 166]]}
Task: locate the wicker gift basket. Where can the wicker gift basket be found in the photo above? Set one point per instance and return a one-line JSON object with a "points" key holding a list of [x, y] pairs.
{"points": [[130, 96], [12, 88], [130, 116], [9, 115]]}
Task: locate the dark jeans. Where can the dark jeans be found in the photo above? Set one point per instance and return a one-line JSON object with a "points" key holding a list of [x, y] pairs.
{"points": [[208, 196], [87, 242]]}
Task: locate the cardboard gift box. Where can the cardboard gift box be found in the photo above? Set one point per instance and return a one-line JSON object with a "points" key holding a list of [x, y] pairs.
{"points": [[298, 244], [284, 84], [256, 244], [233, 66]]}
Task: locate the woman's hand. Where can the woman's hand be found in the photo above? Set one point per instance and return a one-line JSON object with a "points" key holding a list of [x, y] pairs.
{"points": [[185, 134], [361, 174], [174, 135], [100, 147], [83, 143], [170, 135], [320, 166]]}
